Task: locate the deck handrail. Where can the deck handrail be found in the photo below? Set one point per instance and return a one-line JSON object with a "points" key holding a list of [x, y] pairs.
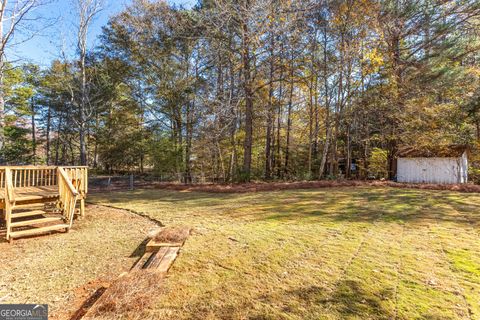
{"points": [[33, 176], [10, 195], [66, 179], [68, 195], [38, 167], [9, 199]]}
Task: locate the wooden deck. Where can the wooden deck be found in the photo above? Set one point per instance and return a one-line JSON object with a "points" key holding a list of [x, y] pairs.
{"points": [[31, 193], [24, 187]]}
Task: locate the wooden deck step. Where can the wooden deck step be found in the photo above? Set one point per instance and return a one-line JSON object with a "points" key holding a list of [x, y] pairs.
{"points": [[28, 205], [32, 222], [35, 197], [29, 232], [27, 214]]}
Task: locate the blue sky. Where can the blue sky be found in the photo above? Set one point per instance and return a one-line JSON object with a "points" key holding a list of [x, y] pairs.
{"points": [[48, 44]]}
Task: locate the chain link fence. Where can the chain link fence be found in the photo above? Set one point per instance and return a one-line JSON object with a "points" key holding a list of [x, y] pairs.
{"points": [[132, 181]]}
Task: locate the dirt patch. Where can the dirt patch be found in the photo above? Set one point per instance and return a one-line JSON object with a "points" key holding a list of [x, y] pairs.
{"points": [[85, 297]]}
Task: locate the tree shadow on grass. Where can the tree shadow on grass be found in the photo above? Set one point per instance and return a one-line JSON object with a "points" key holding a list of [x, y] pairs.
{"points": [[140, 249], [368, 207], [328, 205], [169, 196], [348, 300]]}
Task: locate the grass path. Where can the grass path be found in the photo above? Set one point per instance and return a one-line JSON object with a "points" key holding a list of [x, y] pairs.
{"points": [[359, 253]]}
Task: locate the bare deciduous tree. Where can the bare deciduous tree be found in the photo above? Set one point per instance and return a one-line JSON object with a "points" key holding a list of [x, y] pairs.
{"points": [[14, 16], [87, 10]]}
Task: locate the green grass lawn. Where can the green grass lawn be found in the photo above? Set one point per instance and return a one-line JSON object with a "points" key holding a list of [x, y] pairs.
{"points": [[365, 253]]}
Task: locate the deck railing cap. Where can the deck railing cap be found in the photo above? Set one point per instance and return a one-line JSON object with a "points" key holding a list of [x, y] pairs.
{"points": [[42, 167]]}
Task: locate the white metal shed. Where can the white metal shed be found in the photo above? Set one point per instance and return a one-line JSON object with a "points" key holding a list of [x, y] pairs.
{"points": [[440, 170]]}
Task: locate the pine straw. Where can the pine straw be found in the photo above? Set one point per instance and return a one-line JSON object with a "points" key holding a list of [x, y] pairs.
{"points": [[276, 186], [130, 294], [176, 234]]}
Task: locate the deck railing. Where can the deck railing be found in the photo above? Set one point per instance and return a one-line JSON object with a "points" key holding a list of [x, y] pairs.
{"points": [[9, 199], [79, 178], [71, 183], [30, 176], [34, 177], [2, 179], [68, 195], [44, 176]]}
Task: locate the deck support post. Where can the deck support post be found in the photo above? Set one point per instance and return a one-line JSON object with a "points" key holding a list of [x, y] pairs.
{"points": [[8, 212], [9, 198], [82, 207]]}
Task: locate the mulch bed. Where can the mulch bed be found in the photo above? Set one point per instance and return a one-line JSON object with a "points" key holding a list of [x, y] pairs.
{"points": [[275, 186]]}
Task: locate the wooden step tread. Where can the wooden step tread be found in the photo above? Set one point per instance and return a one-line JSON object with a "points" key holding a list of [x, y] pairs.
{"points": [[27, 213], [35, 197], [29, 232], [32, 206], [32, 222]]}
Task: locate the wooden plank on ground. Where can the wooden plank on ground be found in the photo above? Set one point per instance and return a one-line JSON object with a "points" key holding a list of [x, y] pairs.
{"points": [[155, 262], [154, 245], [156, 258], [168, 259], [141, 262]]}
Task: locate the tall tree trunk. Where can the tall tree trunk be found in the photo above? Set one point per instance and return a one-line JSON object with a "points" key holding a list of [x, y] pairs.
{"points": [[316, 130], [87, 9], [57, 142], [188, 142], [328, 132], [95, 148], [268, 139], [47, 145], [34, 136], [82, 116], [248, 91], [278, 156], [392, 140], [348, 165], [72, 152], [233, 128], [338, 112], [310, 124], [189, 126], [289, 120]]}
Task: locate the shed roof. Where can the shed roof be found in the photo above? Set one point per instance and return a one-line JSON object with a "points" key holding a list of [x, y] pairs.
{"points": [[449, 151]]}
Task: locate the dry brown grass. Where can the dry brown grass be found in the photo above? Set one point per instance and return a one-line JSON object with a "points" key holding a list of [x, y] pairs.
{"points": [[176, 234], [130, 294], [64, 269]]}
